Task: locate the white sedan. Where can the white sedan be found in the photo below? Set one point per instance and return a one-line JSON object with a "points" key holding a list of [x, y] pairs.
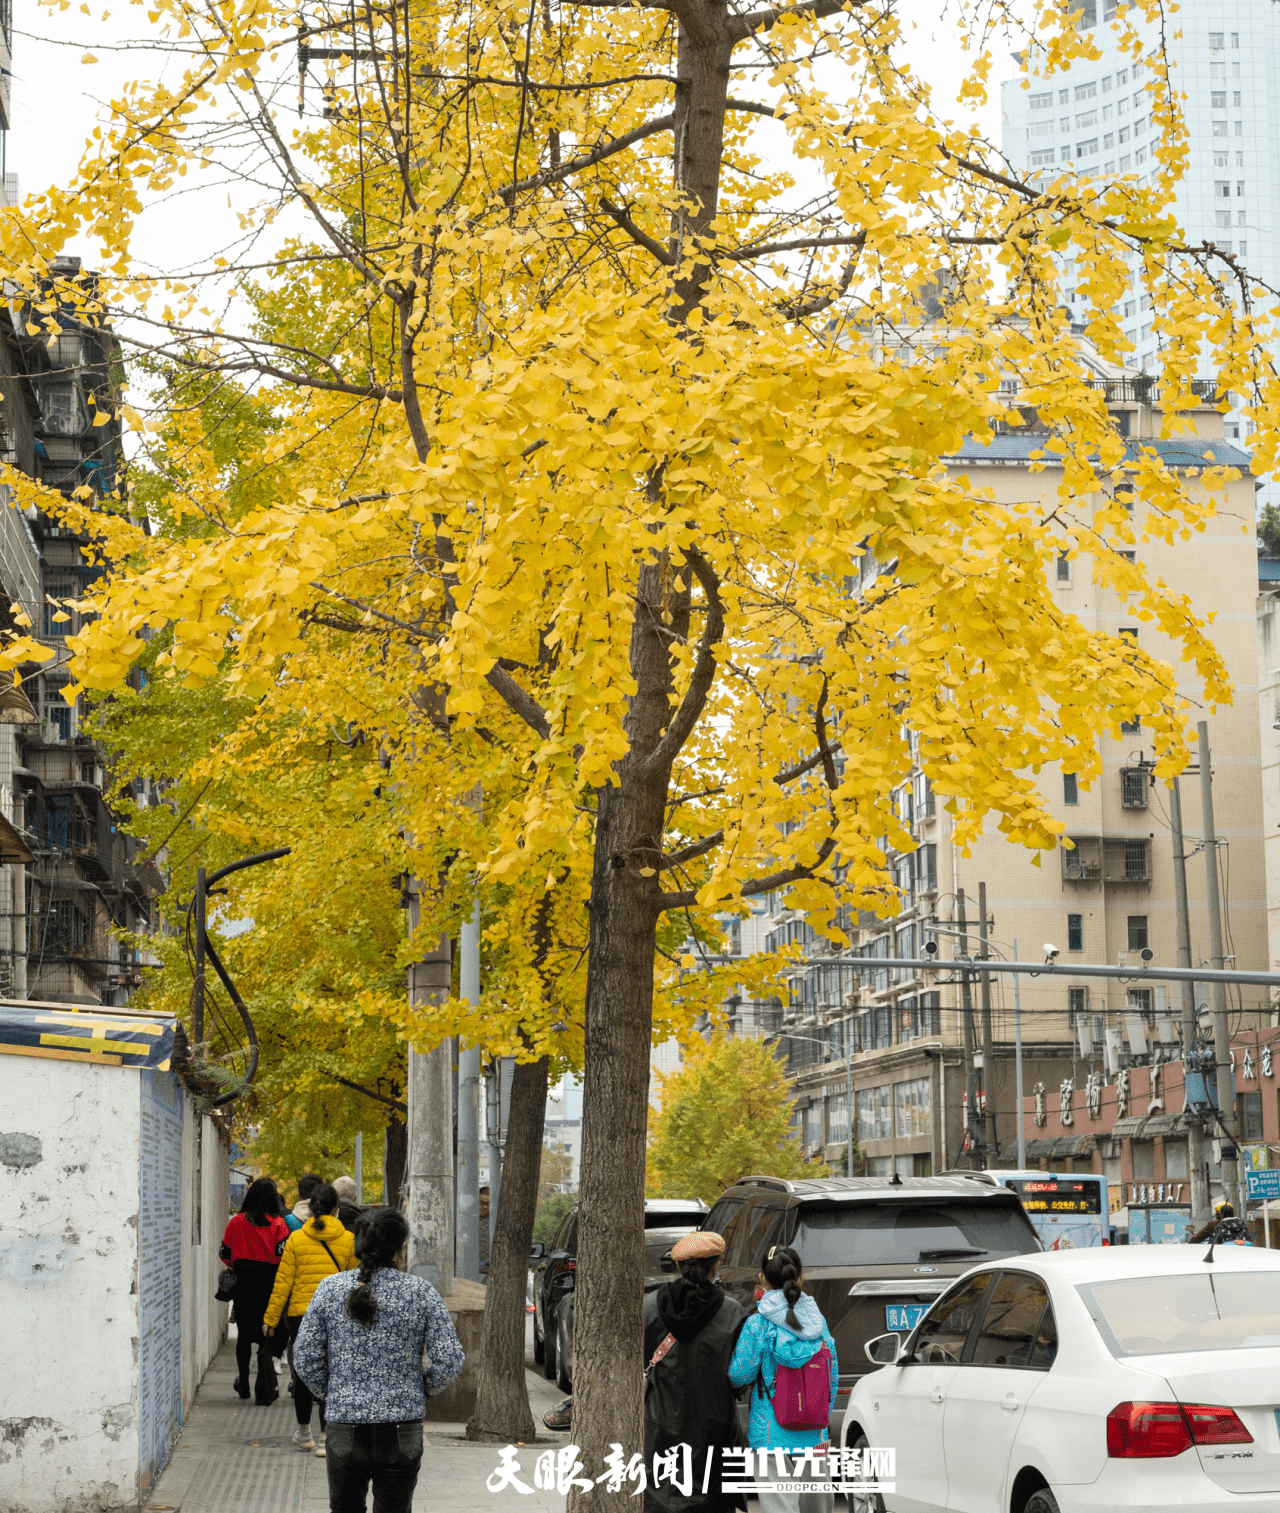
{"points": [[1082, 1381]]}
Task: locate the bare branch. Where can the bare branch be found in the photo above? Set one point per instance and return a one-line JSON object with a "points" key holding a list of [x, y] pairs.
{"points": [[589, 159], [519, 701], [377, 1097], [753, 107], [741, 27], [640, 238], [704, 671]]}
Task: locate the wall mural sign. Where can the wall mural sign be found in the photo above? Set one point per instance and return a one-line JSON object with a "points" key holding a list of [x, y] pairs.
{"points": [[159, 1273]]}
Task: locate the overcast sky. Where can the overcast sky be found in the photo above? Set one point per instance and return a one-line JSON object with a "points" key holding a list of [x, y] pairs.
{"points": [[57, 100]]}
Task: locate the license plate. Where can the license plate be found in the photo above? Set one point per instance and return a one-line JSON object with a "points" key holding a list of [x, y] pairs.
{"points": [[903, 1315]]}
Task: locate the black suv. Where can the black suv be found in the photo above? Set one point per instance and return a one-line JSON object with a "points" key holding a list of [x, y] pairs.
{"points": [[666, 1220], [876, 1251]]}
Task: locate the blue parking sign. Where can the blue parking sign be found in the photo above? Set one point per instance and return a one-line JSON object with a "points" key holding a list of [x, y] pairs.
{"points": [[1264, 1184]]}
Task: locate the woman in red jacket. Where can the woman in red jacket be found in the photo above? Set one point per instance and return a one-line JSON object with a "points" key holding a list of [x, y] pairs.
{"points": [[252, 1245]]}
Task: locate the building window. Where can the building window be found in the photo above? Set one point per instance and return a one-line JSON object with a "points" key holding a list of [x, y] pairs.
{"points": [[1070, 792], [1136, 863], [1235, 99], [1133, 787], [1086, 91], [1222, 218], [1215, 41], [1175, 1161], [1130, 727], [1217, 71], [912, 1108], [1064, 568], [838, 1116], [1249, 1116], [873, 1111], [1039, 159], [1109, 141], [1219, 128], [1137, 932], [1039, 129], [1041, 101], [1219, 99], [1075, 932], [1222, 189], [1087, 149], [1086, 118], [1144, 1165], [1077, 1000]]}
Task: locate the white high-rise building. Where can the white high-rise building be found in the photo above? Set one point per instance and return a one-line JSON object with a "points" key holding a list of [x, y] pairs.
{"points": [[1094, 119]]}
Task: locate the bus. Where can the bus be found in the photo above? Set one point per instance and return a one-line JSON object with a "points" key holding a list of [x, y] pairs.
{"points": [[1068, 1210]]}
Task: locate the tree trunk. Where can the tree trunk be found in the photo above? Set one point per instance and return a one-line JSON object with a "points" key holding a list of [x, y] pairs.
{"points": [[502, 1414], [625, 908], [395, 1153]]}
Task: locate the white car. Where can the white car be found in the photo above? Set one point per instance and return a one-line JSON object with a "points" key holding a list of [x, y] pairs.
{"points": [[1083, 1381]]}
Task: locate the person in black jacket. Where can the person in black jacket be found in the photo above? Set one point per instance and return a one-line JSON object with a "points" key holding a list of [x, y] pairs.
{"points": [[690, 1328]]}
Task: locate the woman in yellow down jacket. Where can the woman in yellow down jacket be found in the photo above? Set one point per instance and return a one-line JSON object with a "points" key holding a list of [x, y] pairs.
{"points": [[316, 1251]]}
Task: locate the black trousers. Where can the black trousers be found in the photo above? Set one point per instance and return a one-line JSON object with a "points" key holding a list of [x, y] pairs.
{"points": [[302, 1397], [388, 1455], [252, 1294]]}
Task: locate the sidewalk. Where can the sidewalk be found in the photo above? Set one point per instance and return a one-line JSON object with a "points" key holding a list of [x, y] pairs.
{"points": [[233, 1457]]}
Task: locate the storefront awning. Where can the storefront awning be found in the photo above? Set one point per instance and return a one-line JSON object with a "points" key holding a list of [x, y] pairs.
{"points": [[1130, 1128], [1038, 1148], [1073, 1145]]}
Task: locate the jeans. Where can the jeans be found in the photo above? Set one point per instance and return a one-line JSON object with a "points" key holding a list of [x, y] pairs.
{"points": [[388, 1455]]}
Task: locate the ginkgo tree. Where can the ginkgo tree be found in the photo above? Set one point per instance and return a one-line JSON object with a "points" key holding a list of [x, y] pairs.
{"points": [[585, 416]]}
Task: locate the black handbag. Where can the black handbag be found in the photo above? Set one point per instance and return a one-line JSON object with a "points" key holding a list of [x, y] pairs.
{"points": [[226, 1285]]}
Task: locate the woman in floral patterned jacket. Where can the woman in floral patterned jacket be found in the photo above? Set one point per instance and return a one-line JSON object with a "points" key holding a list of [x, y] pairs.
{"points": [[374, 1344]]}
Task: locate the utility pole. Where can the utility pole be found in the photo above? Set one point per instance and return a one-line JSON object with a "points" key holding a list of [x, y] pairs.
{"points": [[1017, 1052], [1190, 1030], [989, 1120], [970, 1070], [1221, 1027], [468, 1256], [429, 1208]]}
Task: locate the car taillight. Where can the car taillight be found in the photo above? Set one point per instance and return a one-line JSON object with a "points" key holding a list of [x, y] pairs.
{"points": [[1146, 1430], [1150, 1430], [1215, 1426]]}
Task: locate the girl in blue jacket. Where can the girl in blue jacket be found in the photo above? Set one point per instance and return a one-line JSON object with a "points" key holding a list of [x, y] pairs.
{"points": [[786, 1330]]}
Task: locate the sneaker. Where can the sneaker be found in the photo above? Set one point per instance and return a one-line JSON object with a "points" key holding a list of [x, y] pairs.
{"points": [[560, 1416], [302, 1437], [320, 1449]]}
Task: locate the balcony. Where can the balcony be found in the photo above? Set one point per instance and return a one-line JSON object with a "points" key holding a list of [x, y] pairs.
{"points": [[1097, 859]]}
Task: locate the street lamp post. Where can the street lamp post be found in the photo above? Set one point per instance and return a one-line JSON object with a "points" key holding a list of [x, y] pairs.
{"points": [[848, 1079]]}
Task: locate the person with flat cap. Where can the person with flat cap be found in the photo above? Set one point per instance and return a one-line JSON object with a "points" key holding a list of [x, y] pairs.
{"points": [[690, 1327]]}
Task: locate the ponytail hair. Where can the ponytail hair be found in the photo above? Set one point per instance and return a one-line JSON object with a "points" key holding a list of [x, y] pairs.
{"points": [[782, 1270], [323, 1200], [700, 1273], [379, 1235]]}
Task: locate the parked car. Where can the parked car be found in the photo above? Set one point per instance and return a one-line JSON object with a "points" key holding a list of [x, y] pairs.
{"points": [[1080, 1381], [876, 1251], [666, 1220]]}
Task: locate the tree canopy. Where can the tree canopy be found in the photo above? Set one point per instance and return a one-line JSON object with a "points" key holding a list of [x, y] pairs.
{"points": [[583, 421], [723, 1114]]}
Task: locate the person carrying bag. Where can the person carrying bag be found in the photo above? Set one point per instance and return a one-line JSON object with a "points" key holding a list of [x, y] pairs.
{"points": [[321, 1248], [252, 1245], [785, 1351], [689, 1330]]}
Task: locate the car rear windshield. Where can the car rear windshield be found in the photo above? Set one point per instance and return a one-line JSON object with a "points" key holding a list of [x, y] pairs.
{"points": [[1219, 1310], [656, 1244], [676, 1218], [885, 1233]]}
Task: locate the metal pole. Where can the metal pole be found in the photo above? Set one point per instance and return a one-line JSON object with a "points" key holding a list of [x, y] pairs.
{"points": [[359, 1167], [848, 1080], [970, 1071], [493, 1110], [469, 1108], [989, 1151], [1017, 1052], [197, 990], [1221, 1027], [1190, 1032]]}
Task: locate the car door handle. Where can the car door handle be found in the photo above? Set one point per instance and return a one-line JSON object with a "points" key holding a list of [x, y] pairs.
{"points": [[1010, 1403], [935, 1397]]}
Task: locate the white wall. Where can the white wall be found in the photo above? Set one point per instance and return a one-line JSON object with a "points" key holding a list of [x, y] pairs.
{"points": [[76, 1271], [68, 1256]]}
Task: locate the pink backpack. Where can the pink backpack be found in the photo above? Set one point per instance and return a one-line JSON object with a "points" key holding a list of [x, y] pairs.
{"points": [[802, 1394]]}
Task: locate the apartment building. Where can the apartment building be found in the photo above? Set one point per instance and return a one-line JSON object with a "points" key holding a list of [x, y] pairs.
{"points": [[70, 881], [914, 1051], [1094, 120]]}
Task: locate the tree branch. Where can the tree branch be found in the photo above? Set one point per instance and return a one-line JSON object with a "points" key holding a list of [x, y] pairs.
{"points": [[519, 701], [753, 107], [704, 671], [741, 27], [588, 159], [377, 1097], [640, 238]]}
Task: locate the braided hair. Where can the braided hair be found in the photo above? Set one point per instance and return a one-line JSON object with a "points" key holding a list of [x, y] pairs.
{"points": [[323, 1201], [379, 1235], [782, 1270]]}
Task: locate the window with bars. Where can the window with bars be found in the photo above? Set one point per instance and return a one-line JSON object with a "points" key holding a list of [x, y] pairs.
{"points": [[1133, 787]]}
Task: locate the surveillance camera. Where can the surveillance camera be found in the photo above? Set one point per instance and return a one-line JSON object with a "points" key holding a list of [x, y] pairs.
{"points": [[931, 948], [1050, 952], [1147, 954]]}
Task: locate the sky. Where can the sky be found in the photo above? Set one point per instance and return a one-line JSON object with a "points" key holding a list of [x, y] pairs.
{"points": [[57, 98]]}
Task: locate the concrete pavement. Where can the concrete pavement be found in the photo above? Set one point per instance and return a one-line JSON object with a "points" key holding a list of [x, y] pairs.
{"points": [[234, 1457]]}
